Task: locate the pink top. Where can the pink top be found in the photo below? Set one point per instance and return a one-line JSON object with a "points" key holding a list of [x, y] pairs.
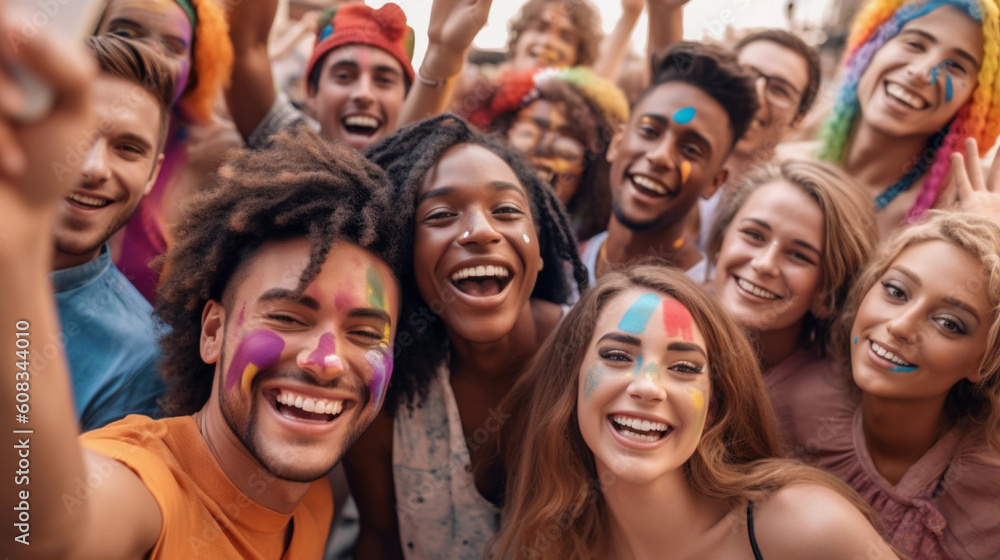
{"points": [[947, 505]]}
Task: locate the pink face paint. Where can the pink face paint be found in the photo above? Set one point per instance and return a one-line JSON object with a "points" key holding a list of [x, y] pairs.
{"points": [[381, 362], [344, 300], [677, 320], [325, 353], [240, 318], [685, 171], [257, 351]]}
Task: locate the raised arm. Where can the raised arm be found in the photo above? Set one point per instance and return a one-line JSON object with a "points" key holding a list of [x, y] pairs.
{"points": [[967, 189], [453, 25], [251, 92], [40, 453], [666, 25], [614, 46]]}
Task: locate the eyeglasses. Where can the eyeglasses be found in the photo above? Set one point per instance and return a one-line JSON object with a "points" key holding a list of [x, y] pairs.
{"points": [[530, 138], [778, 91]]}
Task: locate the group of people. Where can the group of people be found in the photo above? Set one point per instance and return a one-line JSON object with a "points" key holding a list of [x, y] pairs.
{"points": [[547, 324]]}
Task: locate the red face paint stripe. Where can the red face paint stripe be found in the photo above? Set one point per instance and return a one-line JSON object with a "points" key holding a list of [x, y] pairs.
{"points": [[677, 320]]}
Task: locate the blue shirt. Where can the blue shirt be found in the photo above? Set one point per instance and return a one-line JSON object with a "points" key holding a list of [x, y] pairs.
{"points": [[110, 342]]}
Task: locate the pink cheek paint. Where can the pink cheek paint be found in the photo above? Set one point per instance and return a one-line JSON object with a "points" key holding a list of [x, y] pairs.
{"points": [[381, 362], [677, 320], [343, 300], [257, 351], [325, 354]]}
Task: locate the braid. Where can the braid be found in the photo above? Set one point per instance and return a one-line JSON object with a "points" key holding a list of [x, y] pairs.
{"points": [[302, 186], [407, 156]]}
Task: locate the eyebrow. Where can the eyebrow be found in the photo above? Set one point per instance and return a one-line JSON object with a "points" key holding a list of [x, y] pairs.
{"points": [[494, 185], [354, 64], [687, 347], [620, 337], [285, 294], [372, 313], [799, 242], [664, 120], [950, 300], [960, 52]]}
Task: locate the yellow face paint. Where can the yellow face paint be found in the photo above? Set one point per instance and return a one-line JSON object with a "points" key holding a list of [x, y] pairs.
{"points": [[697, 398], [248, 374], [685, 171]]}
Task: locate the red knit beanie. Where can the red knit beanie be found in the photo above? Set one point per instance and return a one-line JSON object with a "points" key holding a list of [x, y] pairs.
{"points": [[358, 24]]}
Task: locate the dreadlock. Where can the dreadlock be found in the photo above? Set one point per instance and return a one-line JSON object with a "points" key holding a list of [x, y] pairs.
{"points": [[302, 186], [408, 156]]}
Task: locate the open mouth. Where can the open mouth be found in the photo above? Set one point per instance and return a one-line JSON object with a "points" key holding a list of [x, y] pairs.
{"points": [[899, 93], [640, 430], [882, 352], [305, 408], [90, 202], [361, 124], [754, 289], [650, 187], [481, 281]]}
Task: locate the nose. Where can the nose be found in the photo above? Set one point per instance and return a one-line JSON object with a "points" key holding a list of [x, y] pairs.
{"points": [[766, 260], [95, 169], [905, 326], [479, 228], [646, 386], [320, 358], [921, 70], [662, 156], [362, 93]]}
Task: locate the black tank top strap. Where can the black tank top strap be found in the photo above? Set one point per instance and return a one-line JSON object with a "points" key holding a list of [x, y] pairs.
{"points": [[753, 539]]}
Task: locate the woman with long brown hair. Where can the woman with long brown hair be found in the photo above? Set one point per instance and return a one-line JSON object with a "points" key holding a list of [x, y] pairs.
{"points": [[643, 430]]}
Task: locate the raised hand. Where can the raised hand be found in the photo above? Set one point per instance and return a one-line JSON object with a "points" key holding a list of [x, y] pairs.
{"points": [[453, 25], [967, 189]]}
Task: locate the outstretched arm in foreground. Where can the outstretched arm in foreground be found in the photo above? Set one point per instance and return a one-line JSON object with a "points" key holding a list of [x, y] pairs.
{"points": [[117, 517]]}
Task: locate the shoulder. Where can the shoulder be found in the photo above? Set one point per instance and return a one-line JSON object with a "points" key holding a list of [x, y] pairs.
{"points": [[814, 521]]}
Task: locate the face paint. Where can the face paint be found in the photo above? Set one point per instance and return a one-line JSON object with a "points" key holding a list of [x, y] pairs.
{"points": [[343, 300], [325, 352], [697, 397], [677, 320], [526, 238], [652, 371], [239, 319], [855, 340], [376, 298], [635, 319], [638, 367], [685, 115], [258, 351], [903, 369], [685, 171], [592, 380], [949, 92], [679, 242], [381, 362]]}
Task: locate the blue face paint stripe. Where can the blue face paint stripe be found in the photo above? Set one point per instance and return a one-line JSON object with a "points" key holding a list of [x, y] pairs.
{"points": [[638, 366], [903, 369], [685, 115], [949, 92], [635, 319]]}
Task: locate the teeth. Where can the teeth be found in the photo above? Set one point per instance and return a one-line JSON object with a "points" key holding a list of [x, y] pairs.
{"points": [[88, 200], [888, 355], [649, 184], [308, 404], [489, 271], [912, 101], [639, 425], [753, 289], [362, 121]]}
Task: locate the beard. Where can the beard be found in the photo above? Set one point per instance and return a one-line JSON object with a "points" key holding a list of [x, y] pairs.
{"points": [[634, 225], [242, 416]]}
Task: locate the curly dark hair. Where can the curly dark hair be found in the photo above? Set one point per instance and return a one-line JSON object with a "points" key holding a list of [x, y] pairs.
{"points": [[421, 346], [716, 72], [301, 186], [582, 13]]}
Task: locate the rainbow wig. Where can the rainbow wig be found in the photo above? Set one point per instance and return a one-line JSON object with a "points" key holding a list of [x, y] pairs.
{"points": [[878, 22], [211, 61]]}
